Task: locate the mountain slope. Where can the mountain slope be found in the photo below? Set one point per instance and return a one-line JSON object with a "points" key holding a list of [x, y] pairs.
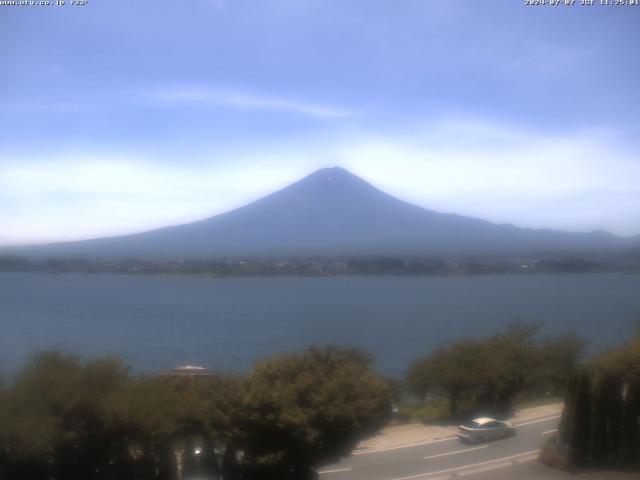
{"points": [[333, 212]]}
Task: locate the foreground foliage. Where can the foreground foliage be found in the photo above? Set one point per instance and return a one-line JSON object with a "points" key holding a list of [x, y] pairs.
{"points": [[601, 423], [489, 374], [64, 418], [297, 410]]}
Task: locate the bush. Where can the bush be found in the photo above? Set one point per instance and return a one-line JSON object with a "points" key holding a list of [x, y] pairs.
{"points": [[554, 455]]}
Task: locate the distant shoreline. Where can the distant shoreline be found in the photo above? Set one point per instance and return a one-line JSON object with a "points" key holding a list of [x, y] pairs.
{"points": [[327, 267]]}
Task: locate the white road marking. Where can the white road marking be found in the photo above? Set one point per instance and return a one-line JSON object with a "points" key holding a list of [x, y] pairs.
{"points": [[549, 431], [488, 468], [404, 446], [456, 452], [322, 472], [465, 467], [538, 421]]}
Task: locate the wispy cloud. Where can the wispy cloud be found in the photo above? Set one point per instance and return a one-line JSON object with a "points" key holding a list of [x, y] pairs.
{"points": [[572, 180], [89, 195], [220, 97]]}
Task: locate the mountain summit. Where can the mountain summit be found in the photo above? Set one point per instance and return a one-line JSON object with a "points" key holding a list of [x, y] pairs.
{"points": [[333, 212]]}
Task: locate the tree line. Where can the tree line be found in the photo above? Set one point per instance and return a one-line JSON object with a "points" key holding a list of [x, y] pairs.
{"points": [[66, 418], [314, 266], [488, 374]]}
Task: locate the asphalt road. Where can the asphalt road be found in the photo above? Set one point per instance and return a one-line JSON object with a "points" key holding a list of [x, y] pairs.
{"points": [[445, 458]]}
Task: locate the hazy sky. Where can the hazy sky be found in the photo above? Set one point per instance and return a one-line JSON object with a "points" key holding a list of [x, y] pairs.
{"points": [[122, 115]]}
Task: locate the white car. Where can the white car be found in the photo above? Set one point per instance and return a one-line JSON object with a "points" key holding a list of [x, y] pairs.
{"points": [[485, 428]]}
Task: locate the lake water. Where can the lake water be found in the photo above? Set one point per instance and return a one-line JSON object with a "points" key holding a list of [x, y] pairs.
{"points": [[158, 322]]}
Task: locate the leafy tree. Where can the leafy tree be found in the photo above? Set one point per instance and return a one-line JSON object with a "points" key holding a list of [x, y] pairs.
{"points": [[450, 371], [176, 413], [601, 420], [623, 361], [513, 359], [303, 409], [558, 359], [61, 422], [495, 370]]}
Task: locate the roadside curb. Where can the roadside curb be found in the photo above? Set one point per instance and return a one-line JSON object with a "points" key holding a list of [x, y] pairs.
{"points": [[361, 450], [537, 419]]}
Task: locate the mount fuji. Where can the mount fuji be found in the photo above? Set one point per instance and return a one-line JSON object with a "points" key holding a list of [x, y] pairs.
{"points": [[329, 213]]}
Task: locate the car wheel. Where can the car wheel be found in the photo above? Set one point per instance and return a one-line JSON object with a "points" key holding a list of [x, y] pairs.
{"points": [[479, 439]]}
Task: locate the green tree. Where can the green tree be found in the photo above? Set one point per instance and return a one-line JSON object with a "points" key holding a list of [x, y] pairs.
{"points": [[170, 414], [601, 420], [514, 357], [452, 371], [60, 420], [623, 361], [559, 357], [299, 410], [494, 371]]}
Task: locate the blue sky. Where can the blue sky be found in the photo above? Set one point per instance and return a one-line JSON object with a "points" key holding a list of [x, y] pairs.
{"points": [[121, 116]]}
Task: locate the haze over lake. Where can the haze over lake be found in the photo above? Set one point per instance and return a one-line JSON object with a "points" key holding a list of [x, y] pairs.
{"points": [[158, 322]]}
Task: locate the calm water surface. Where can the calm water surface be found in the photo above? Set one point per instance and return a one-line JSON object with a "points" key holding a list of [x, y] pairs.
{"points": [[157, 322]]}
